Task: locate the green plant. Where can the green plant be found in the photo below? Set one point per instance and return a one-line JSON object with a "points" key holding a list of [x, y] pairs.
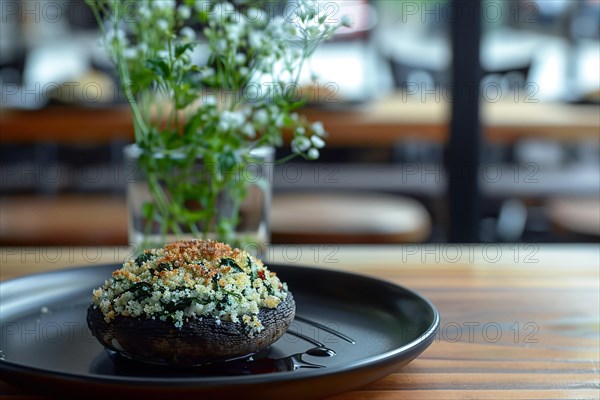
{"points": [[216, 110]]}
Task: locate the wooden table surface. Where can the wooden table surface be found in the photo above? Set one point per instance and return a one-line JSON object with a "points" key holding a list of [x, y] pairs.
{"points": [[381, 122], [518, 321]]}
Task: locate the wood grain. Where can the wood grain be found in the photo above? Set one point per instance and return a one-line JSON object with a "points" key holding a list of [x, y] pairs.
{"points": [[518, 321]]}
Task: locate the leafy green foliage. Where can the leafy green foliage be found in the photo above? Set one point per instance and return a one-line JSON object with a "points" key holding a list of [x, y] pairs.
{"points": [[197, 123]]}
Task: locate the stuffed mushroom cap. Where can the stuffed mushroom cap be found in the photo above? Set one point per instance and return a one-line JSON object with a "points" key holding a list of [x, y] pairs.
{"points": [[190, 303]]}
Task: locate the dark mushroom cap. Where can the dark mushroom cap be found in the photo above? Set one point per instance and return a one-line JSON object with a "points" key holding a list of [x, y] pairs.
{"points": [[191, 302], [198, 341]]}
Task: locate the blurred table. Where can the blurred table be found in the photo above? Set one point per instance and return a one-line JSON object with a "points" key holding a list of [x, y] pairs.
{"points": [[65, 219], [381, 122], [519, 321]]}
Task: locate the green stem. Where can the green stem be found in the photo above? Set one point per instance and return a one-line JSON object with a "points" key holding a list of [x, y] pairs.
{"points": [[159, 197], [174, 113], [211, 207], [124, 75]]}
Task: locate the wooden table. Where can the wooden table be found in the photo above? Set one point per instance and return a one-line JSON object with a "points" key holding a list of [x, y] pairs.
{"points": [[381, 122], [518, 321]]}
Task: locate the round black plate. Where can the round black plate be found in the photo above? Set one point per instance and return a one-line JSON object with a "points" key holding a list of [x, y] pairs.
{"points": [[373, 327]]}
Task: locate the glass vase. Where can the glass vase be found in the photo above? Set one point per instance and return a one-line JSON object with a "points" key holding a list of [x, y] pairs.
{"points": [[169, 199]]}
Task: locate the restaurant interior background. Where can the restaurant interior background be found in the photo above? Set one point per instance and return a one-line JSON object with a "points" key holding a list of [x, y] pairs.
{"points": [[383, 93]]}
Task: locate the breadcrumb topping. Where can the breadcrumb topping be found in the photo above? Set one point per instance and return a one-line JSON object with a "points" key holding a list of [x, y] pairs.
{"points": [[191, 279]]}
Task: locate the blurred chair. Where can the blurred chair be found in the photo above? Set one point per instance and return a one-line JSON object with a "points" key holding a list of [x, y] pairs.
{"points": [[356, 217], [579, 218]]}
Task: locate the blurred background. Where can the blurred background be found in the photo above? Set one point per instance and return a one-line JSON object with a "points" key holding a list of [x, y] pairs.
{"points": [[383, 91]]}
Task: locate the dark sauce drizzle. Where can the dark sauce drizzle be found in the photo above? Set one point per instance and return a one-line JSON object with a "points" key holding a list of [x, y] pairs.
{"points": [[259, 363]]}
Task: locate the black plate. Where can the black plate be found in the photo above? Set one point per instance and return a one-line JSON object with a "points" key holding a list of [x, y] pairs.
{"points": [[374, 328]]}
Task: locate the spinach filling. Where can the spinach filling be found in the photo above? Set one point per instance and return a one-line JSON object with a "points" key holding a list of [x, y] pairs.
{"points": [[229, 262], [140, 290], [143, 258]]}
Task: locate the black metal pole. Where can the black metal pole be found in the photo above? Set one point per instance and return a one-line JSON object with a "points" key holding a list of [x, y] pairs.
{"points": [[463, 151]]}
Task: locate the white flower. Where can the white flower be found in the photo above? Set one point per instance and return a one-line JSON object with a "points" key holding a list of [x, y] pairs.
{"points": [[228, 11], [279, 122], [210, 100], [130, 53], [144, 11], [235, 32], [308, 3], [162, 24], [177, 156], [184, 12], [188, 34], [231, 120], [223, 126], [240, 58], [261, 117], [255, 39], [313, 154], [300, 130], [117, 36], [163, 4], [292, 31], [221, 45], [314, 31], [301, 143], [346, 21], [256, 16], [301, 12], [276, 27], [249, 131], [317, 142], [318, 129]]}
